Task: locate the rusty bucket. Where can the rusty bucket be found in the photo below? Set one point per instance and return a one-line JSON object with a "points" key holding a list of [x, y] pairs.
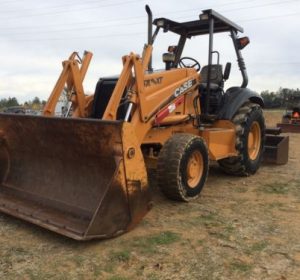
{"points": [[82, 178], [276, 149]]}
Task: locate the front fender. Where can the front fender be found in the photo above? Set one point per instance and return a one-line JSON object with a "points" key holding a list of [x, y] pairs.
{"points": [[234, 98]]}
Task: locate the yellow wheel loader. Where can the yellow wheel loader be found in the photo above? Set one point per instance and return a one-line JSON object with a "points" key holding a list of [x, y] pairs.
{"points": [[84, 175]]}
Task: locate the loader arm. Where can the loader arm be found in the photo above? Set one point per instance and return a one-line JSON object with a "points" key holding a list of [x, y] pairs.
{"points": [[147, 102], [71, 77], [126, 80]]}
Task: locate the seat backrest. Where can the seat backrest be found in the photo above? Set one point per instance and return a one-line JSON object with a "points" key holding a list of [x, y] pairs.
{"points": [[103, 93], [216, 74]]}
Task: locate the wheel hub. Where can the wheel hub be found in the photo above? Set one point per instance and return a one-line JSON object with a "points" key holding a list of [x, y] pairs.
{"points": [[194, 169], [254, 140]]}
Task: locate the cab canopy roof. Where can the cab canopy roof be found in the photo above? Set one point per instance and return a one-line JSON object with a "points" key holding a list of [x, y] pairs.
{"points": [[199, 27]]}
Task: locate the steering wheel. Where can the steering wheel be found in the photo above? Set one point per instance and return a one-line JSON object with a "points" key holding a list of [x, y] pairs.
{"points": [[183, 63]]}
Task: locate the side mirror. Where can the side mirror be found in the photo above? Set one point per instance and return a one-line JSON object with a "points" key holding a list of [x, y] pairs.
{"points": [[227, 71]]}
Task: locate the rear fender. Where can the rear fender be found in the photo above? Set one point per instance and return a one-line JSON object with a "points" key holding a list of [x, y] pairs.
{"points": [[234, 98]]}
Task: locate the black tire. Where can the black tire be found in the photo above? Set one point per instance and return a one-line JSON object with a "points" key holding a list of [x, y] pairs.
{"points": [[176, 156], [243, 164]]}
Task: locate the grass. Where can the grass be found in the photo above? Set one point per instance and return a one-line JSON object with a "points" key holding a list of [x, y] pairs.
{"points": [[240, 266], [259, 246], [120, 256], [270, 228], [240, 189], [224, 233], [149, 244], [238, 204], [296, 187], [11, 256], [215, 225], [114, 259], [97, 270], [90, 266], [78, 259], [297, 182], [201, 241], [163, 238], [275, 188], [228, 231], [208, 217], [37, 274], [152, 276], [109, 267], [117, 277], [208, 220], [276, 205], [256, 247]]}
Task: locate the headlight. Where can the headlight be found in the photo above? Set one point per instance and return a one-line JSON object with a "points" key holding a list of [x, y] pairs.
{"points": [[160, 23], [203, 16]]}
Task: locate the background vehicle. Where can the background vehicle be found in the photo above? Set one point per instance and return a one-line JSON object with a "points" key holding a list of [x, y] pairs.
{"points": [[15, 110], [291, 118]]}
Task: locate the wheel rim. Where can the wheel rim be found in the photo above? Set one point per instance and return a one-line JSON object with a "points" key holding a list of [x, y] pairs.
{"points": [[194, 169], [254, 140]]}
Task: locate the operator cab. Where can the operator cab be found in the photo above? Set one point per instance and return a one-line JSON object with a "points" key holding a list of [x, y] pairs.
{"points": [[212, 77], [217, 77]]}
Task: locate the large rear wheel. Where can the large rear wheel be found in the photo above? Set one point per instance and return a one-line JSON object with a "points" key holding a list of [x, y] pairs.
{"points": [[182, 167], [250, 135]]}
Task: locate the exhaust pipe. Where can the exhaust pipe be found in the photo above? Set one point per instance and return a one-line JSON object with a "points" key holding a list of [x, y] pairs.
{"points": [[150, 20]]}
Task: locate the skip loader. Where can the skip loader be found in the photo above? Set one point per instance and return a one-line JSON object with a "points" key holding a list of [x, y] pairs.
{"points": [[84, 175]]}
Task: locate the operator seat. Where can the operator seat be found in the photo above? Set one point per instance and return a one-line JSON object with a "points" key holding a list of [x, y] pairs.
{"points": [[216, 76], [216, 87]]}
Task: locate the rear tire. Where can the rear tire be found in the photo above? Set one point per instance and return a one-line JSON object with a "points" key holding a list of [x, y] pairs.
{"points": [[250, 137], [182, 167]]}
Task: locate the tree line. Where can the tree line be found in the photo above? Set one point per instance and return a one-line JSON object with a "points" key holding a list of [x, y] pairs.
{"points": [[282, 98], [34, 104]]}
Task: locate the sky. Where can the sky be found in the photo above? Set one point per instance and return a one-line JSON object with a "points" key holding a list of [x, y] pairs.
{"points": [[36, 36]]}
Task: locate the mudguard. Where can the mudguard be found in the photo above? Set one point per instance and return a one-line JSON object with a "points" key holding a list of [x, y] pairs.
{"points": [[234, 98]]}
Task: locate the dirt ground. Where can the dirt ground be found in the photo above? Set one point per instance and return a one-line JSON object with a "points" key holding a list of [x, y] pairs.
{"points": [[240, 228]]}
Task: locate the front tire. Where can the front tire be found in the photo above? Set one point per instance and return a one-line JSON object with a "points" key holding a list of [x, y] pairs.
{"points": [[250, 137], [182, 167]]}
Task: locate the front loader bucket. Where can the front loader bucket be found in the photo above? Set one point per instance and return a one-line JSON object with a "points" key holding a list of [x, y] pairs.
{"points": [[82, 178]]}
